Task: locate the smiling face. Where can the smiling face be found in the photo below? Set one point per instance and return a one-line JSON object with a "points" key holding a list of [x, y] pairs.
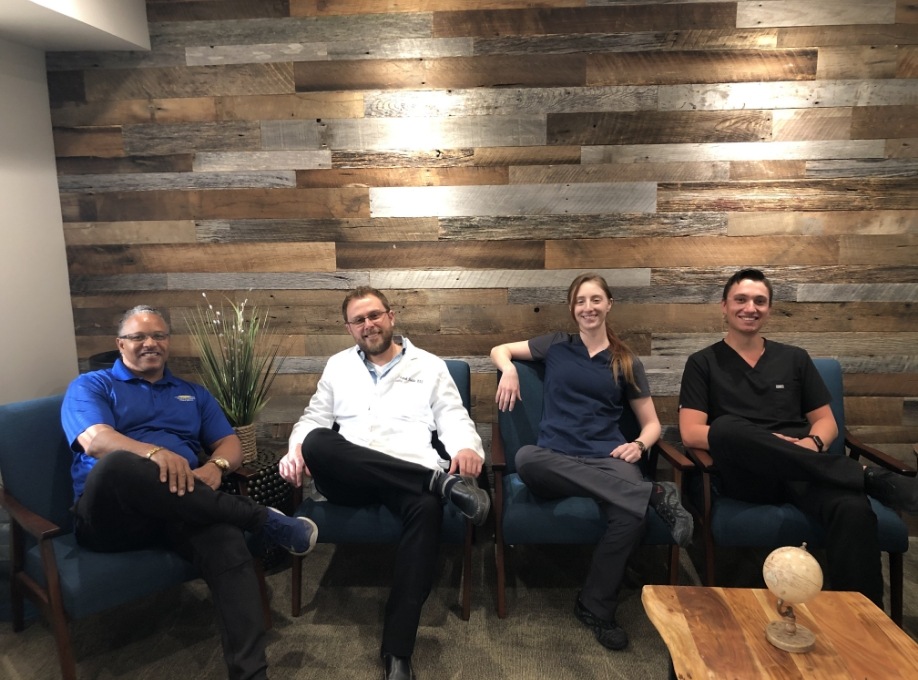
{"points": [[146, 358], [371, 326], [746, 307], [589, 306]]}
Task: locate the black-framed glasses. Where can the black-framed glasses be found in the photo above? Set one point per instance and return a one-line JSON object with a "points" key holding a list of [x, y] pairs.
{"points": [[372, 316], [142, 337]]}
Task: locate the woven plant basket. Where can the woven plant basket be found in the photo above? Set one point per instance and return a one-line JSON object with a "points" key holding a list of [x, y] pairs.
{"points": [[246, 434]]}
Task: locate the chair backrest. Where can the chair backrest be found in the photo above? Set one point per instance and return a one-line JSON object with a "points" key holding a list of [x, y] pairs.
{"points": [[520, 426], [831, 373], [35, 459]]}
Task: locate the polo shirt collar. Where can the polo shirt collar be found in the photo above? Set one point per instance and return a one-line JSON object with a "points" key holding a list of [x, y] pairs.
{"points": [[122, 373]]}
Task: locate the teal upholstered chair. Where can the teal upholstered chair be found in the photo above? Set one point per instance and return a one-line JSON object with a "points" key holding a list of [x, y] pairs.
{"points": [[375, 524], [66, 581], [727, 522], [523, 518]]}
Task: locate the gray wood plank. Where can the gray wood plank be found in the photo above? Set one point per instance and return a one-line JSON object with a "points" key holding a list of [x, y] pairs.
{"points": [[82, 61], [517, 278], [817, 344], [734, 151], [338, 230], [893, 167], [158, 181], [229, 161], [282, 135], [607, 225], [754, 13], [787, 95], [859, 292], [186, 137], [508, 102], [621, 197]]}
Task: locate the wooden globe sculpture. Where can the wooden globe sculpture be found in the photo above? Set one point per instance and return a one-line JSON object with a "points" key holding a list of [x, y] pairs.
{"points": [[794, 576]]}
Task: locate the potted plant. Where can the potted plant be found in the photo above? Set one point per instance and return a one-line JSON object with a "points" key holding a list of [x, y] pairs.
{"points": [[240, 357]]}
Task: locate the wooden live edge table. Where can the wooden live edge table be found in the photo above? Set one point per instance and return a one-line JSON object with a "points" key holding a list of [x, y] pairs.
{"points": [[720, 633]]}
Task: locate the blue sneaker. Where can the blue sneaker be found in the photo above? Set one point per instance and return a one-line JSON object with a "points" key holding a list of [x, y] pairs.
{"points": [[296, 535]]}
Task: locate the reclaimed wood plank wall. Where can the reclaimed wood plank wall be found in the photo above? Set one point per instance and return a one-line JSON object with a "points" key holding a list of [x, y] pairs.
{"points": [[470, 157]]}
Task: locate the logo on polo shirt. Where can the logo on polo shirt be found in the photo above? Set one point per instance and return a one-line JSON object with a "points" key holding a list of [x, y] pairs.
{"points": [[185, 397]]}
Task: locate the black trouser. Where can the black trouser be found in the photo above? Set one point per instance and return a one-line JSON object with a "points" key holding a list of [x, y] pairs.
{"points": [[349, 474], [622, 494], [124, 506], [758, 467]]}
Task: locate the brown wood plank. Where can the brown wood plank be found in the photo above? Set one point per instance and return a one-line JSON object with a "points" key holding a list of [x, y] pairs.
{"points": [[283, 203], [828, 223], [104, 142], [163, 111], [611, 19], [836, 194], [506, 255], [189, 81], [883, 122], [93, 233], [895, 249], [811, 125], [883, 384], [185, 137], [857, 62], [129, 205], [201, 257], [620, 172], [673, 67], [874, 410], [485, 156], [401, 177], [195, 10], [320, 8], [844, 36], [91, 165], [451, 72], [907, 61], [695, 251], [309, 105], [659, 127], [767, 170]]}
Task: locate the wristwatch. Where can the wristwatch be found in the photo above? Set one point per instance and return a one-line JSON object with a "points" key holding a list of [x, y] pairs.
{"points": [[221, 463], [641, 445], [818, 440]]}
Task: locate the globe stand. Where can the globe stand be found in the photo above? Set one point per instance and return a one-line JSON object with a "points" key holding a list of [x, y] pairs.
{"points": [[787, 635]]}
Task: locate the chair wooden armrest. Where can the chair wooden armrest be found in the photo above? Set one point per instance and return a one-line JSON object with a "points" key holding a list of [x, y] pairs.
{"points": [[673, 456], [498, 456], [857, 448], [37, 526], [701, 458]]}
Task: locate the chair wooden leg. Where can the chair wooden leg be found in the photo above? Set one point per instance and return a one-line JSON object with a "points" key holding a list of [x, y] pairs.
{"points": [[708, 558], [57, 618], [263, 589], [674, 565], [296, 585], [500, 563], [467, 572], [895, 587]]}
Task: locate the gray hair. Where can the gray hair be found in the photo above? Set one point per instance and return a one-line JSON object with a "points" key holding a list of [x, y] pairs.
{"points": [[140, 309]]}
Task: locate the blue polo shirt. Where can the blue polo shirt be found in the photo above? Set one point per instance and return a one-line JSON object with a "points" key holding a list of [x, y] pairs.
{"points": [[173, 413], [583, 403]]}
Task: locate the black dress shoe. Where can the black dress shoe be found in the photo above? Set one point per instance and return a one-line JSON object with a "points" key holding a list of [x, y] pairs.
{"points": [[892, 489], [398, 667], [472, 501]]}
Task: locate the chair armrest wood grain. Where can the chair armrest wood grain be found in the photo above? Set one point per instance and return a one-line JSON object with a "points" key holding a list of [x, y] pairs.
{"points": [[857, 449], [36, 525]]}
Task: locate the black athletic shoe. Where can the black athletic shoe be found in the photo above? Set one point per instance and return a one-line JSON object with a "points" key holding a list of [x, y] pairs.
{"points": [[608, 633], [669, 508], [890, 488]]}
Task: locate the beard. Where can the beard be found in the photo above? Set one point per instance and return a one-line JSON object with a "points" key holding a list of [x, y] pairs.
{"points": [[378, 343]]}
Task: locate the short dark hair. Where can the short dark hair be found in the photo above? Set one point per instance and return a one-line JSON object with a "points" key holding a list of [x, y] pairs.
{"points": [[140, 309], [752, 275], [361, 292]]}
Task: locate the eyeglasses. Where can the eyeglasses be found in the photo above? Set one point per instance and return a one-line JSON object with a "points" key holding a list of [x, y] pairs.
{"points": [[142, 337], [372, 316]]}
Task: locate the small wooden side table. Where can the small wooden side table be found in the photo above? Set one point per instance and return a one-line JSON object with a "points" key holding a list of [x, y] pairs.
{"points": [[720, 633]]}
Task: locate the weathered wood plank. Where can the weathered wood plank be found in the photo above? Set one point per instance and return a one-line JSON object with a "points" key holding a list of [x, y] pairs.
{"points": [[282, 203], [658, 127], [895, 249], [825, 223], [902, 148], [857, 62], [803, 13], [896, 167], [450, 72], [811, 125], [301, 280], [309, 105], [393, 279], [58, 62], [849, 292], [759, 170], [882, 384], [128, 206], [464, 255], [164, 111], [186, 137], [481, 157], [735, 151], [314, 230], [621, 197], [618, 172], [160, 181], [509, 101], [786, 96], [817, 344], [133, 232], [882, 122], [907, 61], [396, 177], [696, 251], [194, 10], [106, 142], [190, 81], [673, 67], [580, 226], [835, 194], [784, 277], [92, 165], [835, 36], [102, 260], [318, 8], [619, 18], [239, 161]]}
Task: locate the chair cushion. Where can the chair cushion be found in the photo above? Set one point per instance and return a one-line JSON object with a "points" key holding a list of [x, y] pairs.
{"points": [[740, 524], [92, 581], [370, 523], [531, 519]]}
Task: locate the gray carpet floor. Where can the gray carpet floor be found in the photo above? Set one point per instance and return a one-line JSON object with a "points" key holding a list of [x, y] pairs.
{"points": [[173, 635]]}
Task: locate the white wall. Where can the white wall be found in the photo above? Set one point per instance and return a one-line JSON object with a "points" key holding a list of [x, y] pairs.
{"points": [[37, 346]]}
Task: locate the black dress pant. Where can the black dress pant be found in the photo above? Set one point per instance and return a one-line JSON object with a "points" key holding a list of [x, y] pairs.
{"points": [[348, 474], [758, 467], [124, 506], [622, 494]]}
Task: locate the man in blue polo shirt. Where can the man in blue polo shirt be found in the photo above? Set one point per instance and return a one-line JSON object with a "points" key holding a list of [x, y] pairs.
{"points": [[149, 454]]}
